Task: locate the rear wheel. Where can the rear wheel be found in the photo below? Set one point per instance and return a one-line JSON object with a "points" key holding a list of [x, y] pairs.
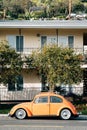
{"points": [[20, 114], [65, 114]]}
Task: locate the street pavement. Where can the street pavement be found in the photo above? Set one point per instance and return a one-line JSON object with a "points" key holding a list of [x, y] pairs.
{"points": [[81, 117], [8, 123]]}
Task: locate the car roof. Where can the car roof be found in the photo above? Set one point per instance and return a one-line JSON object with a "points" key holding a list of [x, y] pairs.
{"points": [[48, 93]]}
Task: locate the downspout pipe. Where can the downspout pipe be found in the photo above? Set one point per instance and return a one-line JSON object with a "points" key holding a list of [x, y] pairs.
{"points": [[57, 35]]}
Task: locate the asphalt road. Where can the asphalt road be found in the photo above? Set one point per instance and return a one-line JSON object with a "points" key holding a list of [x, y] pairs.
{"points": [[8, 123]]}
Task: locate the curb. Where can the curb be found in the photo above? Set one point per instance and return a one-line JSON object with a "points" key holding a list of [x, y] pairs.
{"points": [[4, 115], [83, 117]]}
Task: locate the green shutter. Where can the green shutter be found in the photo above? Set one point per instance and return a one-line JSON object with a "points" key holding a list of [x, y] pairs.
{"points": [[11, 86], [19, 83], [19, 43], [70, 41]]}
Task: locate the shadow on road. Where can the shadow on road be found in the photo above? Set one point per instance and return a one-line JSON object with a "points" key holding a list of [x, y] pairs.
{"points": [[81, 117]]}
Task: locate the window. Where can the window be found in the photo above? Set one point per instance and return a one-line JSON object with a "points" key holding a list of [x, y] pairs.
{"points": [[54, 99], [12, 41], [52, 40], [63, 41], [70, 41], [16, 42], [41, 100], [16, 86], [48, 40]]}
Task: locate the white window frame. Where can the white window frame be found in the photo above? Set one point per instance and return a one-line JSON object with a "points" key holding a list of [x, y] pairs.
{"points": [[63, 41], [13, 45], [13, 42], [51, 40]]}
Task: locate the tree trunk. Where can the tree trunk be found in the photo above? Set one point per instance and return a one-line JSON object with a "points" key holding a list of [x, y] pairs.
{"points": [[51, 88], [4, 14]]}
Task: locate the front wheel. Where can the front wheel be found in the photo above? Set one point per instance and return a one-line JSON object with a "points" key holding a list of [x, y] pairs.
{"points": [[65, 114], [20, 114]]}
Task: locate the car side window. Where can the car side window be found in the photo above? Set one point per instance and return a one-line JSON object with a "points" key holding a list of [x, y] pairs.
{"points": [[54, 99], [41, 100]]}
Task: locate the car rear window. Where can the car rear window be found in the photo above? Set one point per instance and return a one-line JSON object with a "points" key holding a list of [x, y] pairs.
{"points": [[55, 99]]}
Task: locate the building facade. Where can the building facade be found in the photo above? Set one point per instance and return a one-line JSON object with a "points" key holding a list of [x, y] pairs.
{"points": [[27, 36]]}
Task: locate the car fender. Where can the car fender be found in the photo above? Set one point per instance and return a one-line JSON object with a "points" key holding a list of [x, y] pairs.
{"points": [[59, 110], [12, 112], [29, 113]]}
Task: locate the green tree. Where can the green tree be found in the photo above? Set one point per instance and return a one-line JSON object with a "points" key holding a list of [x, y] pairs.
{"points": [[58, 65], [10, 63], [78, 7], [13, 9]]}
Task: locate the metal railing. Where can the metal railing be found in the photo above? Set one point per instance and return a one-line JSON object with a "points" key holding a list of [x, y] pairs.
{"points": [[25, 94], [29, 50], [29, 93]]}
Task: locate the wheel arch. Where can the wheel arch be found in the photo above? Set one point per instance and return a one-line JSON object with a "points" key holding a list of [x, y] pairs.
{"points": [[64, 118], [28, 112], [59, 112]]}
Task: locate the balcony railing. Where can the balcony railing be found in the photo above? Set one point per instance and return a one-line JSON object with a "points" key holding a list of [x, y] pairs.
{"points": [[30, 50], [26, 51], [79, 50]]}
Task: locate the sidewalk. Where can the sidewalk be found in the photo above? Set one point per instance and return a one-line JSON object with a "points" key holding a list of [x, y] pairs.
{"points": [[82, 117], [5, 115]]}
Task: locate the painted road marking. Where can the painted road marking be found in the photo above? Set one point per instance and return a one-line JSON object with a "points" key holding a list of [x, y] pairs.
{"points": [[39, 126]]}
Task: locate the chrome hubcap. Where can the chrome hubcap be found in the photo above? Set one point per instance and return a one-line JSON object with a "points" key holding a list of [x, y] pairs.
{"points": [[65, 114], [20, 114]]}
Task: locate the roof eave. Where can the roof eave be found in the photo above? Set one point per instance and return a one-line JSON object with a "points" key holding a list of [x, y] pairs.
{"points": [[44, 27]]}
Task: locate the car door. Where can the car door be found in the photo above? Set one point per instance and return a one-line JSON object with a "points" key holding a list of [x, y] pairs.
{"points": [[41, 106], [55, 104]]}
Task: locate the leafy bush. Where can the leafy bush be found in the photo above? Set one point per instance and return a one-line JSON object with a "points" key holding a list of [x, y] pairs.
{"points": [[82, 108]]}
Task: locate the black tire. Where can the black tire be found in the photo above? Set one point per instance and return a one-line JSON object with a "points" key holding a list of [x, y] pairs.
{"points": [[65, 114], [20, 114]]}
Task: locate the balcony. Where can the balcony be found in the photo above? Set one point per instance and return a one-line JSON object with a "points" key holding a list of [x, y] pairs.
{"points": [[26, 51], [29, 50]]}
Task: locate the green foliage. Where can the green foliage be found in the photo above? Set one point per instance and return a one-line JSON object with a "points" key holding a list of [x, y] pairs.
{"points": [[58, 65], [82, 108], [13, 9], [29, 62], [83, 0], [10, 63], [78, 7]]}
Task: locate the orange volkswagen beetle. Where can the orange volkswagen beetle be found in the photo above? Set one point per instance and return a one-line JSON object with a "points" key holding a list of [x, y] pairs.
{"points": [[45, 104]]}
